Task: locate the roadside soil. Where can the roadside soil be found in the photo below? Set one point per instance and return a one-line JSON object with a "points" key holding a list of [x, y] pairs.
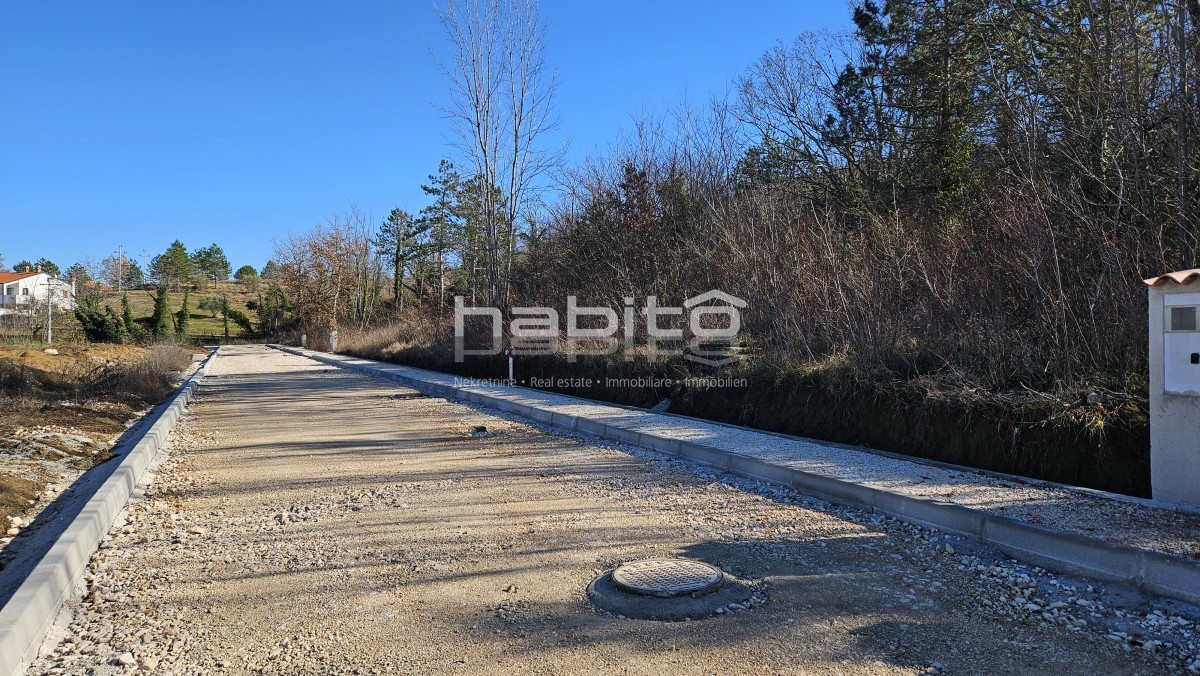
{"points": [[48, 437], [309, 520]]}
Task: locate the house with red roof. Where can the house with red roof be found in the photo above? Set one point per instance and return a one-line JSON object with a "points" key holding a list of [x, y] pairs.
{"points": [[22, 291]]}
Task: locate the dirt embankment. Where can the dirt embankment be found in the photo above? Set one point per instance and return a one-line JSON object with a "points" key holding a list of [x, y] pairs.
{"points": [[61, 410]]}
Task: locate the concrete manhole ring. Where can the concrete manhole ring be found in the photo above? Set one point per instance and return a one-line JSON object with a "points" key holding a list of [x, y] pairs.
{"points": [[667, 578], [700, 592]]}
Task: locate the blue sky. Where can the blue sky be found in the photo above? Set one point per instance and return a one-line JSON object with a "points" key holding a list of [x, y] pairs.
{"points": [[137, 123]]}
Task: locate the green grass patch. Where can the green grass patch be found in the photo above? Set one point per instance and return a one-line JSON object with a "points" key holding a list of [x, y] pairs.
{"points": [[202, 322]]}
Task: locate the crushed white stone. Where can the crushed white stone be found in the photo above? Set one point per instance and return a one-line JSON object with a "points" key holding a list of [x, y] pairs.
{"points": [[1107, 517]]}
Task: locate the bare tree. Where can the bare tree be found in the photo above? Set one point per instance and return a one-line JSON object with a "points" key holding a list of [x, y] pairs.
{"points": [[112, 270], [501, 95], [333, 273]]}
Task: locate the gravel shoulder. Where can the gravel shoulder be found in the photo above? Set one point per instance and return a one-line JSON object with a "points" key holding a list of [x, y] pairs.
{"points": [[310, 520]]}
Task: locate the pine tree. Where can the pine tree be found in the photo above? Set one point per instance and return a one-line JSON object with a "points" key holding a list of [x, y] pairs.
{"points": [[442, 220], [400, 241], [99, 325], [48, 267], [272, 310], [211, 263], [225, 314], [133, 275], [472, 241], [78, 273], [184, 316], [172, 266]]}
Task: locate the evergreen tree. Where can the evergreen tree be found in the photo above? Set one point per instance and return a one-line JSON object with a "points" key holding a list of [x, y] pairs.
{"points": [[247, 276], [272, 309], [133, 275], [160, 322], [442, 221], [242, 321], [100, 325], [184, 317], [210, 261], [470, 207], [78, 273], [127, 315], [400, 241], [225, 315], [48, 266], [173, 266]]}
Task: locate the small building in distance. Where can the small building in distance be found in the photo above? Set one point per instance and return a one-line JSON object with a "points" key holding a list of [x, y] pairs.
{"points": [[21, 291]]}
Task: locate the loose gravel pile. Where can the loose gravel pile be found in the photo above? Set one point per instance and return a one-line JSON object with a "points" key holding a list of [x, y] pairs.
{"points": [[308, 520]]}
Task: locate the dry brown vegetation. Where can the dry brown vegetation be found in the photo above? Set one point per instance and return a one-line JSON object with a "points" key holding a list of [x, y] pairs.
{"points": [[967, 196], [153, 376], [940, 221], [61, 412]]}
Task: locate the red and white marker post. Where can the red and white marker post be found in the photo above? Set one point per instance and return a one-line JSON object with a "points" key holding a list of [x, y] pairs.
{"points": [[510, 353]]}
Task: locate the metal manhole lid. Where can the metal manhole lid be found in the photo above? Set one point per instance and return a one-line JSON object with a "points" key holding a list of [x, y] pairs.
{"points": [[667, 577]]}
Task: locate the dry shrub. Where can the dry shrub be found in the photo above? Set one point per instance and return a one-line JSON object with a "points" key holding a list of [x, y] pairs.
{"points": [[289, 335], [146, 381], [155, 376], [415, 331], [23, 403], [17, 381]]}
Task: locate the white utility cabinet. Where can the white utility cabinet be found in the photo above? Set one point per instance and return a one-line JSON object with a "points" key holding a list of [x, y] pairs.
{"points": [[1175, 387]]}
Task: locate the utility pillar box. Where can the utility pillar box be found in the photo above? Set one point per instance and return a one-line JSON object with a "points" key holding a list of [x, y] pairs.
{"points": [[1175, 387]]}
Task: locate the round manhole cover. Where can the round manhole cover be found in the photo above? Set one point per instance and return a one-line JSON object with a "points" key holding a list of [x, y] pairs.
{"points": [[667, 577]]}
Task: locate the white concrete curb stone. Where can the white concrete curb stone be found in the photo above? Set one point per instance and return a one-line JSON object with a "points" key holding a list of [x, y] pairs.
{"points": [[28, 615]]}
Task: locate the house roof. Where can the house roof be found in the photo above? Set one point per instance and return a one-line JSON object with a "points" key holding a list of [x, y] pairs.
{"points": [[8, 277], [1181, 277]]}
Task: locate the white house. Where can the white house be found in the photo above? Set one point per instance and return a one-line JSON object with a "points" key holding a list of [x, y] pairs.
{"points": [[22, 289]]}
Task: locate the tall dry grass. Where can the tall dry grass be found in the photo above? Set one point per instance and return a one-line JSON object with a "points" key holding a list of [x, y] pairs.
{"points": [[154, 376], [145, 381]]}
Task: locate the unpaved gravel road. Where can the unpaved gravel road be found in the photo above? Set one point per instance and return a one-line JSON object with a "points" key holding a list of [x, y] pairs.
{"points": [[310, 520], [1112, 518]]}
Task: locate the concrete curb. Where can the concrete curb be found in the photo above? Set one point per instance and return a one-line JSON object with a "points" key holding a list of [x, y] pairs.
{"points": [[28, 615], [1162, 574]]}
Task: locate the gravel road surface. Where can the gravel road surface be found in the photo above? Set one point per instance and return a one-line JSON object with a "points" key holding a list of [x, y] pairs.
{"points": [[310, 520], [1105, 516]]}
